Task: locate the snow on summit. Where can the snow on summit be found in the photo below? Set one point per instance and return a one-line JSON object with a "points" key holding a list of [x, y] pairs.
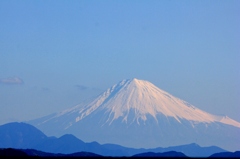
{"points": [[144, 99]]}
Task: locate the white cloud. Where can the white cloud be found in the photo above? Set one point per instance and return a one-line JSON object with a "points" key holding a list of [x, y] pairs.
{"points": [[11, 80]]}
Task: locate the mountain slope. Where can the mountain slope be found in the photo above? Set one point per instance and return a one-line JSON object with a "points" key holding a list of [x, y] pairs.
{"points": [[235, 154], [20, 135], [135, 113]]}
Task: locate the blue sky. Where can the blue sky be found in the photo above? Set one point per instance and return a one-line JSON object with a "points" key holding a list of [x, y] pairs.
{"points": [[56, 54]]}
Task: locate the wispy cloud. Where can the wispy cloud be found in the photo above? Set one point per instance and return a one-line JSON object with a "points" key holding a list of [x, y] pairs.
{"points": [[81, 87], [45, 89], [84, 88], [11, 80]]}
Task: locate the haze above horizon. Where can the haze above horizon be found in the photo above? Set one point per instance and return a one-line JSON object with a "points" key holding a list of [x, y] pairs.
{"points": [[56, 54]]}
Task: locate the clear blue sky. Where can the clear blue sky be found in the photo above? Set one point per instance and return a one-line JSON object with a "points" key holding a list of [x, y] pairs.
{"points": [[56, 54]]}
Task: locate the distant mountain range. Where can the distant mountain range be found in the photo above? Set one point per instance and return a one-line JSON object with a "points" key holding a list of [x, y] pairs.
{"points": [[31, 152], [135, 113], [32, 141], [10, 152]]}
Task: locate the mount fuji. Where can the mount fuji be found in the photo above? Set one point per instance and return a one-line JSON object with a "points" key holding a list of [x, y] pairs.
{"points": [[136, 113]]}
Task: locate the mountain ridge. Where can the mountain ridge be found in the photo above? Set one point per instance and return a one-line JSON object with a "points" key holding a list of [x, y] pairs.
{"points": [[68, 144]]}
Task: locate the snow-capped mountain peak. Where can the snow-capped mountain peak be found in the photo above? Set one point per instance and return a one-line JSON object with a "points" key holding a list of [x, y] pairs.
{"points": [[141, 98], [136, 113]]}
